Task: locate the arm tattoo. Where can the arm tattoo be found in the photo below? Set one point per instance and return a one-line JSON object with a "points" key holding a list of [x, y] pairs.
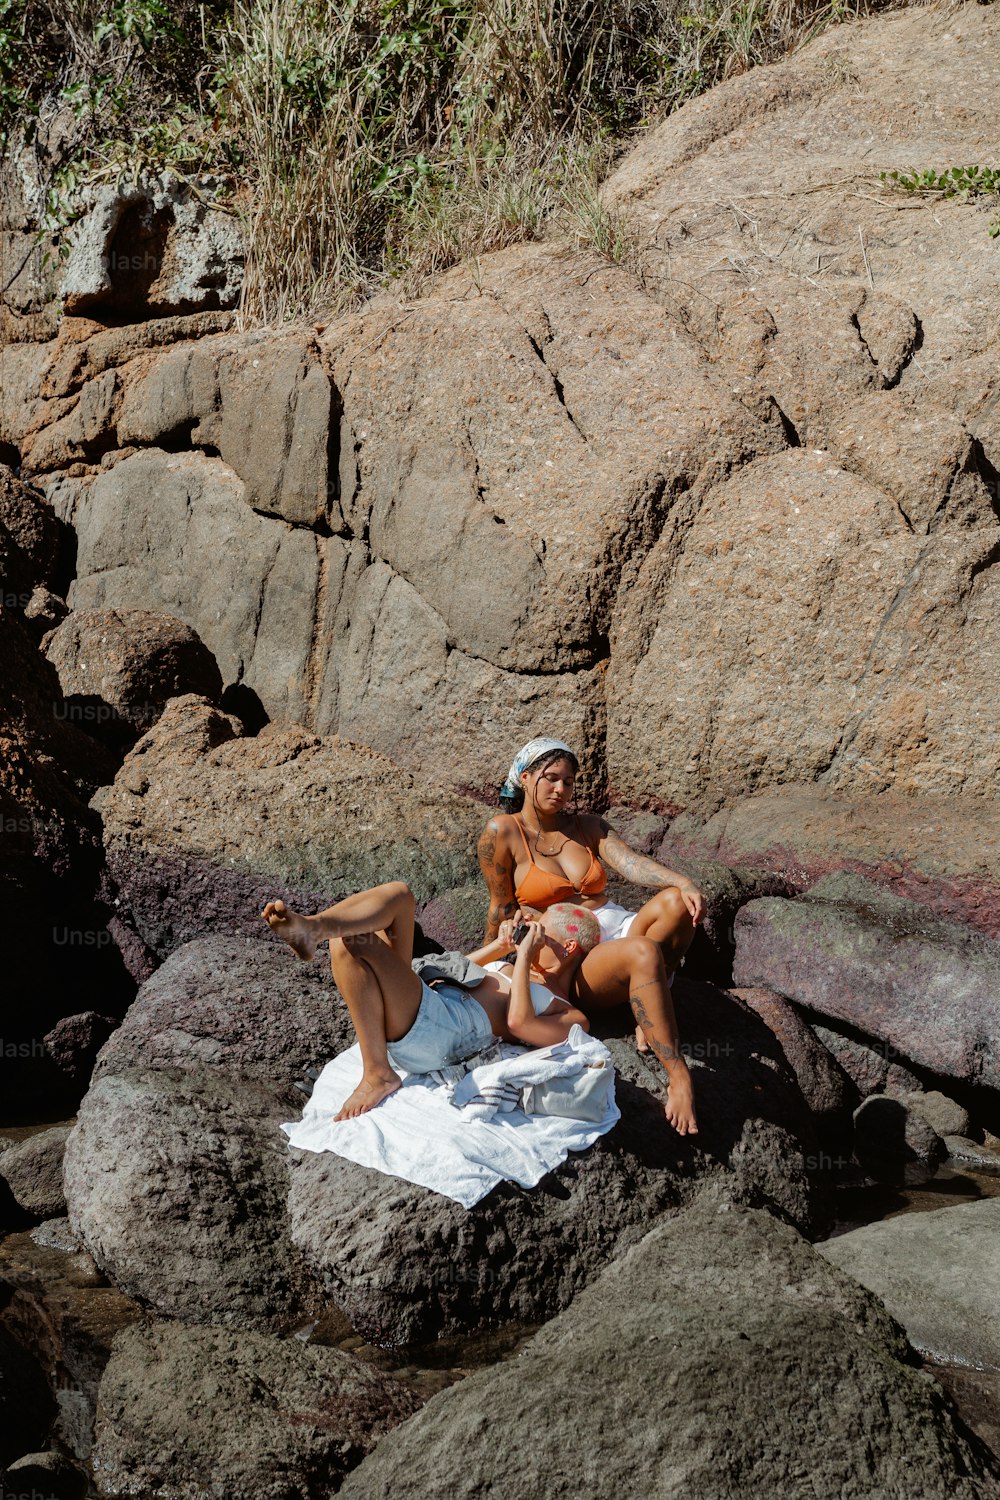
{"points": [[635, 867], [499, 881]]}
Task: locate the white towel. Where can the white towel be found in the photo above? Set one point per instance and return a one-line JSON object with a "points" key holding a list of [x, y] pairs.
{"points": [[416, 1134], [497, 1086]]}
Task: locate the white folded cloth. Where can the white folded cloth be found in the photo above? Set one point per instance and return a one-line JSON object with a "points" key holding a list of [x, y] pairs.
{"points": [[418, 1134], [498, 1086]]}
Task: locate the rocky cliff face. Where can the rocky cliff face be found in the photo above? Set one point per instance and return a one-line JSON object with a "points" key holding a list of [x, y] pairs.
{"points": [[725, 524]]}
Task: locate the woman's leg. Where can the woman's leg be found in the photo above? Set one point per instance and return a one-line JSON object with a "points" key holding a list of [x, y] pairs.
{"points": [[632, 969], [385, 909], [371, 943], [666, 920]]}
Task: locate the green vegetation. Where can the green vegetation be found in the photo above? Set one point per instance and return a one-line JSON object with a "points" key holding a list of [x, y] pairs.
{"points": [[362, 140], [954, 182]]}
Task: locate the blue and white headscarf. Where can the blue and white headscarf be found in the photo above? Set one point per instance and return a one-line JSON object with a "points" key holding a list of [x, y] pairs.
{"points": [[525, 757]]}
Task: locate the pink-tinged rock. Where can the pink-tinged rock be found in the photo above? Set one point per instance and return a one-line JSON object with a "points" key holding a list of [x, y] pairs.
{"points": [[929, 989], [825, 1086], [872, 1067], [943, 852]]}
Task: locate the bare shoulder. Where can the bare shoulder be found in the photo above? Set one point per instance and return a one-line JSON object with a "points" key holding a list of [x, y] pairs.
{"points": [[496, 834]]}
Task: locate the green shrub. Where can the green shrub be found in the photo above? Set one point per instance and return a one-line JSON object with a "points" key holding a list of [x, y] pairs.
{"points": [[953, 182]]}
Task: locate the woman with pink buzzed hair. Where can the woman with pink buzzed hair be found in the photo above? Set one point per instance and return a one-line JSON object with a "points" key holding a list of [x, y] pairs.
{"points": [[403, 1022]]}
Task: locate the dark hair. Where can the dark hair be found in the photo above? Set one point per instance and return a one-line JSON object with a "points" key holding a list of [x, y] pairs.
{"points": [[513, 802]]}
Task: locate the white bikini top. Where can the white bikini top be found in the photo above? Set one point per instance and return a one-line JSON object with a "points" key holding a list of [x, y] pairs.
{"points": [[541, 996]]}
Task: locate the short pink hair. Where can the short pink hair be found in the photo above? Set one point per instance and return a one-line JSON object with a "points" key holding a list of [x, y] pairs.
{"points": [[572, 924]]}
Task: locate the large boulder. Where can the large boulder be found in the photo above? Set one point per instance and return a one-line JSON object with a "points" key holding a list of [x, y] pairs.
{"points": [[850, 951], [823, 618], [188, 1216], [408, 1264], [943, 852], [720, 1356], [207, 1216], [119, 668], [203, 824], [199, 1411], [938, 1273], [837, 307]]}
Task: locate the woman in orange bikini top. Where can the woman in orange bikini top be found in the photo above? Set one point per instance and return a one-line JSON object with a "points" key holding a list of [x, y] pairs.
{"points": [[540, 888], [549, 854], [539, 787]]}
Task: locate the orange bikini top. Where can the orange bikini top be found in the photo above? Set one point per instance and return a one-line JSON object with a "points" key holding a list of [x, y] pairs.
{"points": [[541, 888]]}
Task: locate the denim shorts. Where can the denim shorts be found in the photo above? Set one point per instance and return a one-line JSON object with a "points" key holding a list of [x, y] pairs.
{"points": [[449, 1026]]}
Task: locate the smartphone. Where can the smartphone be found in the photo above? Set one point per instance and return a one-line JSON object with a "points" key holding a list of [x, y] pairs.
{"points": [[520, 932]]}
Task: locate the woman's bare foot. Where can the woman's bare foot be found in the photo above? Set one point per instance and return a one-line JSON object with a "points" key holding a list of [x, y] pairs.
{"points": [[296, 929], [641, 1044], [679, 1108], [369, 1092]]}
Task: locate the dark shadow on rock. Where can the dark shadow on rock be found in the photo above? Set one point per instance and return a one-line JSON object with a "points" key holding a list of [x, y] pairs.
{"points": [[242, 701]]}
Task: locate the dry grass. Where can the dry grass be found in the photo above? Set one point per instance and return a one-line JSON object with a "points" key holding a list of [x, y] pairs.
{"points": [[375, 139]]}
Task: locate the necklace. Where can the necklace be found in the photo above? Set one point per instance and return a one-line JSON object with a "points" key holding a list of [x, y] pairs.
{"points": [[549, 853]]}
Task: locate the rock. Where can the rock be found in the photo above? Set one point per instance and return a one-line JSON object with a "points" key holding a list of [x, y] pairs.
{"points": [[33, 1172], [937, 1273], [153, 248], [246, 1007], [457, 919], [25, 1403], [780, 685], [871, 1066], [943, 852], [831, 665], [30, 540], [885, 965], [725, 890], [876, 315], [886, 1130], [187, 1216], [48, 1474], [753, 1345], [265, 404], [45, 610], [74, 1042], [301, 432], [119, 668], [940, 1113], [55, 1234], [977, 1155], [191, 1218], [203, 825], [825, 1086], [185, 1411], [407, 1264], [149, 531]]}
